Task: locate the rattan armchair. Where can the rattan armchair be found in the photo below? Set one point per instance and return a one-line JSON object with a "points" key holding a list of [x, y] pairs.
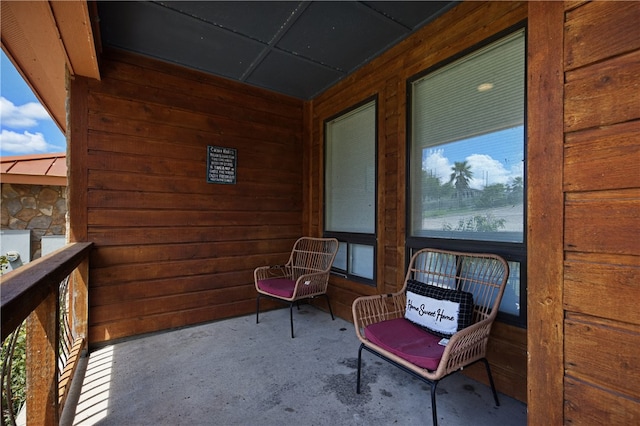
{"points": [[383, 329], [304, 276]]}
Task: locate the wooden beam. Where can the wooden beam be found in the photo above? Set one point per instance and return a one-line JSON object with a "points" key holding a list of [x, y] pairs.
{"points": [[74, 24], [32, 42], [545, 213], [42, 39]]}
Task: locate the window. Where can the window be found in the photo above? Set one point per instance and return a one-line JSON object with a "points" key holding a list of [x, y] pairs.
{"points": [[350, 190], [467, 159]]}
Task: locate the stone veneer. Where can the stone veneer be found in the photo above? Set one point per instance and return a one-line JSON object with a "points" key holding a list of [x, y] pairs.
{"points": [[39, 208]]}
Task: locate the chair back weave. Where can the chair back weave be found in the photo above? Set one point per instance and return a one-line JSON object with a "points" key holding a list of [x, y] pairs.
{"points": [[483, 275], [312, 255]]}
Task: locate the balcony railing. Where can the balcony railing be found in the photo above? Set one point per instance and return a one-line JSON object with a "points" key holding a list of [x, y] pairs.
{"points": [[48, 295]]}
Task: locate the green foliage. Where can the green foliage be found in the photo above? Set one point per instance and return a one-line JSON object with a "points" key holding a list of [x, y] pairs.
{"points": [[4, 264], [493, 196], [515, 191], [18, 373], [478, 223], [461, 174], [433, 189]]}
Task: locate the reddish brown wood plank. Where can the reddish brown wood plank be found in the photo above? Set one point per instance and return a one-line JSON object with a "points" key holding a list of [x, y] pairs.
{"points": [[169, 235], [155, 288], [600, 29], [603, 222], [118, 255], [603, 353], [602, 288], [603, 158], [586, 404], [170, 320], [173, 304], [603, 94], [137, 272]]}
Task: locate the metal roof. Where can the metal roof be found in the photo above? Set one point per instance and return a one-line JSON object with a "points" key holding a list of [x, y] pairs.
{"points": [[36, 169], [298, 48]]}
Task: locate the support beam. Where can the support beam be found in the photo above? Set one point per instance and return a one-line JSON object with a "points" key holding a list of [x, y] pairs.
{"points": [[545, 203]]}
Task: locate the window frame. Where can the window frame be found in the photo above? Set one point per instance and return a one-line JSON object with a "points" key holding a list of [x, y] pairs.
{"points": [[354, 238], [510, 251]]}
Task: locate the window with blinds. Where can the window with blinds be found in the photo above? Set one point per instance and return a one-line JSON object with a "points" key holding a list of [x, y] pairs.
{"points": [[350, 189], [467, 146], [467, 156]]}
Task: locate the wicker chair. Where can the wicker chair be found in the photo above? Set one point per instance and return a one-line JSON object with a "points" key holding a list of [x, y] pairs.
{"points": [[383, 330], [305, 276]]}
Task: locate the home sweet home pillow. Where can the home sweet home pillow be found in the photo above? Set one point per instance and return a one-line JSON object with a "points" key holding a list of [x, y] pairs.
{"points": [[442, 311]]}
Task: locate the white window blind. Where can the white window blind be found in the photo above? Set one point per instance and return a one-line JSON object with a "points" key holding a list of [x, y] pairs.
{"points": [[350, 171], [478, 94]]}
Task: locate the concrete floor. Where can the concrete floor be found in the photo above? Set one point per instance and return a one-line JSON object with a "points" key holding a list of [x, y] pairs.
{"points": [[237, 372]]}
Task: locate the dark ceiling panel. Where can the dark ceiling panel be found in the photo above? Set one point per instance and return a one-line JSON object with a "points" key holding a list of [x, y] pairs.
{"points": [[412, 14], [148, 29], [293, 75], [260, 20], [343, 35], [298, 48]]}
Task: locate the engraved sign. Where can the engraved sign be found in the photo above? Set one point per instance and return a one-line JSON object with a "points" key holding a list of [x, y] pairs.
{"points": [[221, 165]]}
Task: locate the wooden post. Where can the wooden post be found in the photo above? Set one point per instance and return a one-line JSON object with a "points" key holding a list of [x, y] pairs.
{"points": [[545, 78], [43, 328], [77, 191], [79, 302]]}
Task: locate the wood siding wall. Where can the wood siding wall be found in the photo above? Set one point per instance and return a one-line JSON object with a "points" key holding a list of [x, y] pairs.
{"points": [[386, 77], [170, 248], [601, 185]]}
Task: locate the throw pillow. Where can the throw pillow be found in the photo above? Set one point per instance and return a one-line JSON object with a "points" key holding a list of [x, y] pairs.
{"points": [[442, 311]]}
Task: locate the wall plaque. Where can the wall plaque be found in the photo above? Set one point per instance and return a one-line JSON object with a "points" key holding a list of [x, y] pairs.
{"points": [[221, 165]]}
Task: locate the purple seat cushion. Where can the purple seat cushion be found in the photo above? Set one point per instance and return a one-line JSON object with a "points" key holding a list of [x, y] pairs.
{"points": [[408, 341], [278, 286]]}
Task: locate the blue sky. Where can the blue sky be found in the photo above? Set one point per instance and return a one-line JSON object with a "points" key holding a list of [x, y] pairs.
{"points": [[27, 128]]}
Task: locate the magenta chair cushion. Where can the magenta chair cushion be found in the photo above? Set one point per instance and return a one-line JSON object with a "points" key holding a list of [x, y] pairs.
{"points": [[281, 287], [408, 341]]}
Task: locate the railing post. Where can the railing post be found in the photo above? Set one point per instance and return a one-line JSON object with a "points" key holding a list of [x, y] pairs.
{"points": [[79, 302], [42, 356]]}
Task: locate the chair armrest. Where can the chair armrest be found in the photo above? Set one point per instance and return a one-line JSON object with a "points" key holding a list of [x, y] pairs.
{"points": [[369, 310], [272, 271], [311, 284], [465, 347]]}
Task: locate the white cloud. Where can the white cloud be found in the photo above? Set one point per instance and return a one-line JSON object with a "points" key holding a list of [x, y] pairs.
{"points": [[22, 143], [486, 171], [437, 165], [19, 117]]}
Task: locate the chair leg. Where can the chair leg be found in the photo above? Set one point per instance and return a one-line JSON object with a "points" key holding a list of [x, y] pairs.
{"points": [[434, 412], [291, 318], [257, 308], [493, 386], [359, 367], [330, 310]]}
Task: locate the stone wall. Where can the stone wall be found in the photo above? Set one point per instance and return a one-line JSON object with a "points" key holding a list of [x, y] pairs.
{"points": [[39, 208]]}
